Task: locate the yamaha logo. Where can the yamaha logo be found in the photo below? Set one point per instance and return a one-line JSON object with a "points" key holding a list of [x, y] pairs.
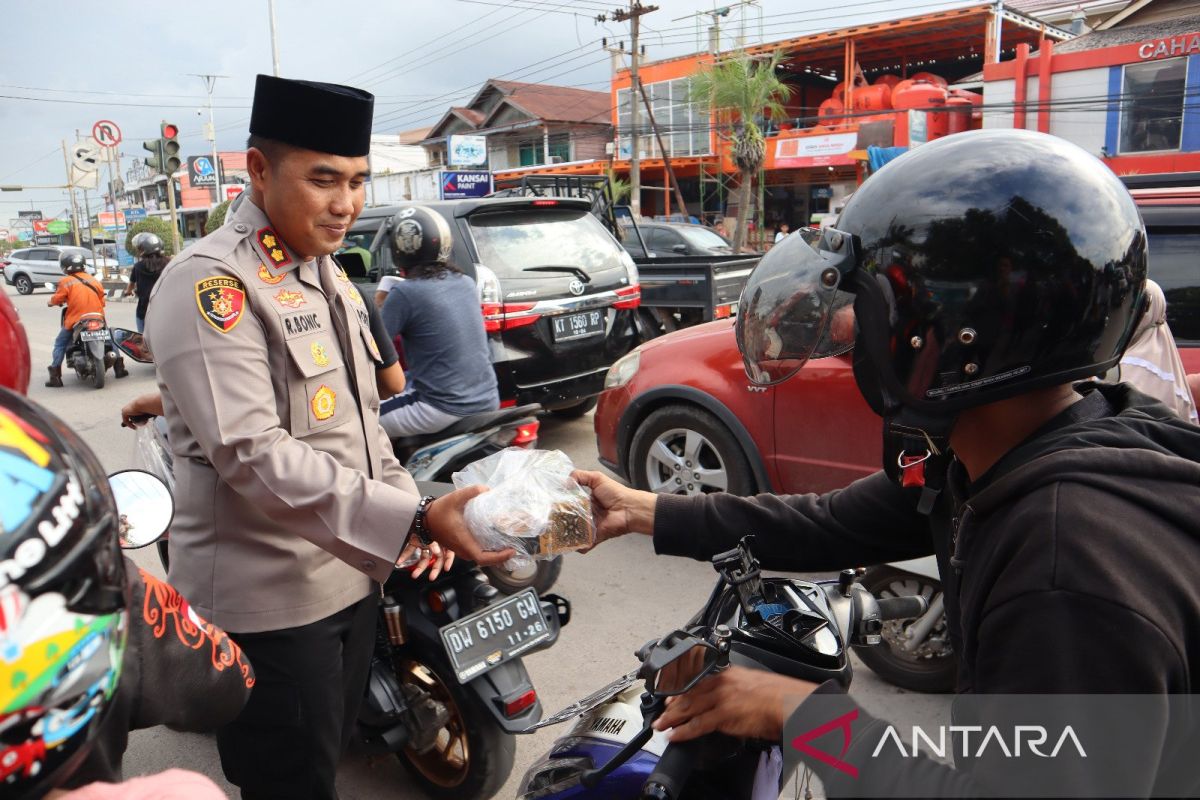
{"points": [[576, 286]]}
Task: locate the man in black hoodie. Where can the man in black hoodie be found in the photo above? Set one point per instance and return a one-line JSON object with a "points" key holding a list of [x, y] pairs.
{"points": [[989, 272]]}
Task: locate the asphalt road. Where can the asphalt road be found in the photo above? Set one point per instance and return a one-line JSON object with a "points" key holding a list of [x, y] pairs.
{"points": [[622, 594]]}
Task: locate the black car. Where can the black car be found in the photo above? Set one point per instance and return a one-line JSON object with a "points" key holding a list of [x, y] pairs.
{"points": [[558, 294], [677, 239]]}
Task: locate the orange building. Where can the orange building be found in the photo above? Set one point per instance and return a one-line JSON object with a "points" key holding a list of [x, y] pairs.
{"points": [[818, 153]]}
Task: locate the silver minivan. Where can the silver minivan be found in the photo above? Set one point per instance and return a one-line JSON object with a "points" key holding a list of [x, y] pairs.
{"points": [[29, 268]]}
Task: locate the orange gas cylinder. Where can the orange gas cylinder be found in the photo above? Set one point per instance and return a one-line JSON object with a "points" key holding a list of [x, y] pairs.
{"points": [[890, 80], [929, 77], [873, 98], [966, 113], [839, 91], [830, 112], [918, 95]]}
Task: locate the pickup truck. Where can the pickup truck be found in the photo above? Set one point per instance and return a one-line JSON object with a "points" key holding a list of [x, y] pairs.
{"points": [[677, 290]]}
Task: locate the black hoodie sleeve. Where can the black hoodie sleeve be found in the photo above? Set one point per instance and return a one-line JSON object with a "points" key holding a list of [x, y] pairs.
{"points": [[871, 521]]}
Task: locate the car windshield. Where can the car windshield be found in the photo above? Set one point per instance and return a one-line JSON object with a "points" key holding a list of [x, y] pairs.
{"points": [[703, 237], [513, 242]]}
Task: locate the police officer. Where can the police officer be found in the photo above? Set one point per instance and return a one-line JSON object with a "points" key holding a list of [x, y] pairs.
{"points": [[291, 506]]}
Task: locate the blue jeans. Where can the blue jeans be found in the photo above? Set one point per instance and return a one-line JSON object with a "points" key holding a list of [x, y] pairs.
{"points": [[141, 324], [60, 347]]}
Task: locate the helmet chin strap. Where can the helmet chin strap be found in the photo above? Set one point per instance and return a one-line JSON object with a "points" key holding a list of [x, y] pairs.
{"points": [[916, 452]]}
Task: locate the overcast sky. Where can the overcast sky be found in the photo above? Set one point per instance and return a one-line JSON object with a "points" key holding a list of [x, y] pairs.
{"points": [[64, 66]]}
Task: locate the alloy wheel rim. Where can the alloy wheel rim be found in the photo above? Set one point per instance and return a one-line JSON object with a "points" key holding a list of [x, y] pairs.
{"points": [[447, 763], [682, 461]]}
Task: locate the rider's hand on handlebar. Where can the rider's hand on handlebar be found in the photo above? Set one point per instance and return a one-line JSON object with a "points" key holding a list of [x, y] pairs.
{"points": [[617, 509], [444, 518], [748, 703], [137, 410], [416, 558]]}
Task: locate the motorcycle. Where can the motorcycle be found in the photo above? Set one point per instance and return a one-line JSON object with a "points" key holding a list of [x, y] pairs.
{"points": [[90, 353], [436, 456], [447, 689], [798, 628], [915, 654]]}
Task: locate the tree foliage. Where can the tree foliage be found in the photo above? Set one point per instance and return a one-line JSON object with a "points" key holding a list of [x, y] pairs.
{"points": [[216, 217], [156, 225], [748, 90]]}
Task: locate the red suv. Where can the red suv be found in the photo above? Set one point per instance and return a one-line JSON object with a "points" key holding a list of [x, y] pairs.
{"points": [[678, 414]]}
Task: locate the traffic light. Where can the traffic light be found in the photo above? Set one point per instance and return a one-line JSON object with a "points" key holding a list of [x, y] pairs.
{"points": [[164, 153], [171, 162], [154, 160]]}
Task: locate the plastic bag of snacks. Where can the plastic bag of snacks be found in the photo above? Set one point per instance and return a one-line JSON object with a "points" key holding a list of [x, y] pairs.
{"points": [[533, 506]]}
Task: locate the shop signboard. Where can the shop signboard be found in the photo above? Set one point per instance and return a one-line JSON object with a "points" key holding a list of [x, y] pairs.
{"points": [[829, 149], [29, 214], [467, 151], [58, 227], [460, 184]]}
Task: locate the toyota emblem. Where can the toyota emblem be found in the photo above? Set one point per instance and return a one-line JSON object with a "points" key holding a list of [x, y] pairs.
{"points": [[576, 286]]}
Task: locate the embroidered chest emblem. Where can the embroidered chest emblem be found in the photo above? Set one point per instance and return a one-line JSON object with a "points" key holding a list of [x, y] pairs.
{"points": [[289, 298], [324, 403], [319, 356], [354, 295], [341, 275], [221, 302], [273, 248], [265, 275]]}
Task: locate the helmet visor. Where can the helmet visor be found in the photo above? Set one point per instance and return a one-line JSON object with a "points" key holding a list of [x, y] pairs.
{"points": [[793, 310]]}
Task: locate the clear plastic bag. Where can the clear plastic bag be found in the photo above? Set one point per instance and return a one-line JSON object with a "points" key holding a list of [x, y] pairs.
{"points": [[533, 506], [152, 453]]}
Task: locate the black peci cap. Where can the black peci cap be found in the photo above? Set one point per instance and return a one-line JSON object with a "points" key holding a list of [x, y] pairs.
{"points": [[324, 117]]}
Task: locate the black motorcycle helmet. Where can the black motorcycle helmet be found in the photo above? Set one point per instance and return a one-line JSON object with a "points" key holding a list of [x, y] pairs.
{"points": [[147, 244], [63, 597], [983, 265], [420, 237], [72, 262]]}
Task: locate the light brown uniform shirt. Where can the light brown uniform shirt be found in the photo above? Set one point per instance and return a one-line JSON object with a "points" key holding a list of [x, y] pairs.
{"points": [[289, 500]]}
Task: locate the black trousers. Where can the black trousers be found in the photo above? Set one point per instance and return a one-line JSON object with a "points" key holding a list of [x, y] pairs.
{"points": [[309, 682]]}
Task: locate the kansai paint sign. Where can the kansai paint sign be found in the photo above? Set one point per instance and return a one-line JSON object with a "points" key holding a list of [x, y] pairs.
{"points": [[455, 185]]}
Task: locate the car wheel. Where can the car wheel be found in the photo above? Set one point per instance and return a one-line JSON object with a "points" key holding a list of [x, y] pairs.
{"points": [[577, 410], [24, 284], [682, 449]]}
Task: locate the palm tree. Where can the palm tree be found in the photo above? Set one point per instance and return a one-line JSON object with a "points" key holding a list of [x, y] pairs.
{"points": [[750, 89]]}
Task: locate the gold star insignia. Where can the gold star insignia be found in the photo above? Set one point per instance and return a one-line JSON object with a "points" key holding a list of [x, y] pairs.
{"points": [[268, 240], [277, 255]]}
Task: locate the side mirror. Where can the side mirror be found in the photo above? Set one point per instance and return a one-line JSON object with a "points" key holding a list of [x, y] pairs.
{"points": [[678, 663], [145, 507], [132, 344]]}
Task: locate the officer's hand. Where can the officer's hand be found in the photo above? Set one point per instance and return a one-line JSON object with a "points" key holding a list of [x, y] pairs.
{"points": [[447, 526], [139, 410], [742, 702], [416, 559], [617, 509]]}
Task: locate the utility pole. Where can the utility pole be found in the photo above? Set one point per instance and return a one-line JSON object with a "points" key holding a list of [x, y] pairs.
{"points": [[71, 191], [274, 43], [633, 16], [210, 83]]}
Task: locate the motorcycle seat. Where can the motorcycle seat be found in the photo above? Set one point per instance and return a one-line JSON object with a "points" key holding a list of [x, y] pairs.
{"points": [[474, 422]]}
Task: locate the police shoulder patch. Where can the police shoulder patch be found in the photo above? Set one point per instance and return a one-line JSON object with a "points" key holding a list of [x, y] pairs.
{"points": [[221, 301]]}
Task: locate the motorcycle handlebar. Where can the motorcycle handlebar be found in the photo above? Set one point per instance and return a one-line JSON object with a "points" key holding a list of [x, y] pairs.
{"points": [[905, 607], [672, 771]]}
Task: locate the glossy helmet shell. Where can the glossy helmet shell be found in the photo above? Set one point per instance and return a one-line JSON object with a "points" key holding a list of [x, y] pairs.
{"points": [[990, 263], [147, 243], [420, 236], [72, 262], [63, 598], [14, 367]]}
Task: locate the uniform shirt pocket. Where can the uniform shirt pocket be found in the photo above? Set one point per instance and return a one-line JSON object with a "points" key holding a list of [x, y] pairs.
{"points": [[318, 388]]}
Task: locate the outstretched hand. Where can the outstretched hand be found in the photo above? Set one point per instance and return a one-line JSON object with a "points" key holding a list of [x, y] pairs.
{"points": [[446, 524], [616, 509]]}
